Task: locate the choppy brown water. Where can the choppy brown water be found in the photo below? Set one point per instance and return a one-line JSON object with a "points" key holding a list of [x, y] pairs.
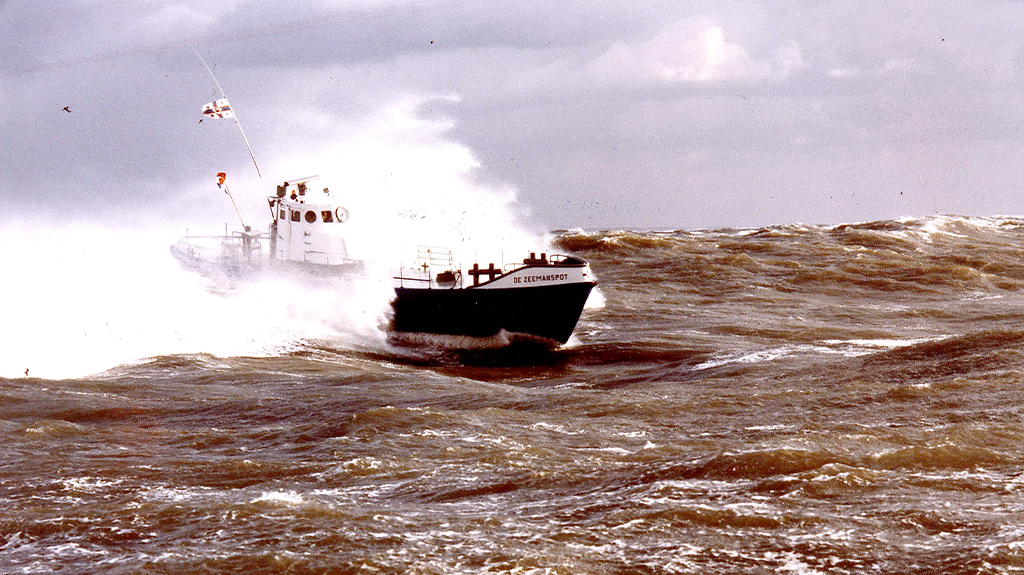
{"points": [[793, 399]]}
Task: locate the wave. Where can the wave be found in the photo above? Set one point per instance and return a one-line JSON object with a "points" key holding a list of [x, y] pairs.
{"points": [[900, 233], [938, 255], [787, 469], [937, 360]]}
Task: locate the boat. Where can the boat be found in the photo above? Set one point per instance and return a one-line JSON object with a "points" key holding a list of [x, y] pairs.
{"points": [[305, 236], [539, 299]]}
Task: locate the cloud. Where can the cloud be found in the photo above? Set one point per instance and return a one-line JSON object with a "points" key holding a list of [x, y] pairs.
{"points": [[169, 23], [693, 50], [639, 110]]}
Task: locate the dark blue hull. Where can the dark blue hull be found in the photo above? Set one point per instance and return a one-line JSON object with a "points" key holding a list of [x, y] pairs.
{"points": [[549, 312]]}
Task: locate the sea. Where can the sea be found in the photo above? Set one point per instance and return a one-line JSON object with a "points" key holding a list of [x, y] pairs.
{"points": [[802, 399]]}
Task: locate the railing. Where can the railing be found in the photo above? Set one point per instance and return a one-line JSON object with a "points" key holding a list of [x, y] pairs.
{"points": [[236, 247], [327, 259], [427, 258]]}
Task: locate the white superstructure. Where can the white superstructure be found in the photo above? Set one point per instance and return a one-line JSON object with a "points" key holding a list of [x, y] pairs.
{"points": [[308, 226]]}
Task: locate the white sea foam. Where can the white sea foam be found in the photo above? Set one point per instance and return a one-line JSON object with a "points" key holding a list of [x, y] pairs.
{"points": [[500, 340], [88, 483], [794, 564], [758, 356], [75, 549], [843, 347], [285, 497], [596, 299], [178, 494], [90, 298], [556, 428], [881, 343]]}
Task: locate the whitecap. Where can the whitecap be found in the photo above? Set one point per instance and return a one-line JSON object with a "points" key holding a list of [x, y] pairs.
{"points": [[286, 497]]}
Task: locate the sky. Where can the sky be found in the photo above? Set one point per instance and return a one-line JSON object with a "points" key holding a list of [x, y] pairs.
{"points": [[595, 115]]}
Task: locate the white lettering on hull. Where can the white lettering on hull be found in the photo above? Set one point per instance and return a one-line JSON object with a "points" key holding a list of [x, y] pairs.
{"points": [[545, 278], [536, 277]]}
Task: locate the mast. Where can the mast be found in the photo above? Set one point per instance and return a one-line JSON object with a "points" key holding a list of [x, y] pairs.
{"points": [[234, 115], [221, 183]]}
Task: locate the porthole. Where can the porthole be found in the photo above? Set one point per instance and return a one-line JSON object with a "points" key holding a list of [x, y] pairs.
{"points": [[310, 217], [342, 214]]}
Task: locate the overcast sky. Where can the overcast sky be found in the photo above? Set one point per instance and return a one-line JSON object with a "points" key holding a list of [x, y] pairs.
{"points": [[598, 114]]}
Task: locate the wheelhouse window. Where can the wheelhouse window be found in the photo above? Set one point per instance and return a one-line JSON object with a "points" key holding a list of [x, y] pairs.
{"points": [[328, 216], [295, 216]]}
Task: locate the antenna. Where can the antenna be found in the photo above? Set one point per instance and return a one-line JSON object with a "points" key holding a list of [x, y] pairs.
{"points": [[221, 183], [234, 115]]}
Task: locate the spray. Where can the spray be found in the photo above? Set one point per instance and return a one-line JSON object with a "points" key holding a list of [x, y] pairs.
{"points": [[94, 295]]}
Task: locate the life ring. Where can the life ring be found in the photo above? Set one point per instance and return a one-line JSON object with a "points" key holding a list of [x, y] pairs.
{"points": [[342, 214]]}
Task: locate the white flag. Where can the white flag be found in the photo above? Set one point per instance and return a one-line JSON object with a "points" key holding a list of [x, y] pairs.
{"points": [[218, 109]]}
